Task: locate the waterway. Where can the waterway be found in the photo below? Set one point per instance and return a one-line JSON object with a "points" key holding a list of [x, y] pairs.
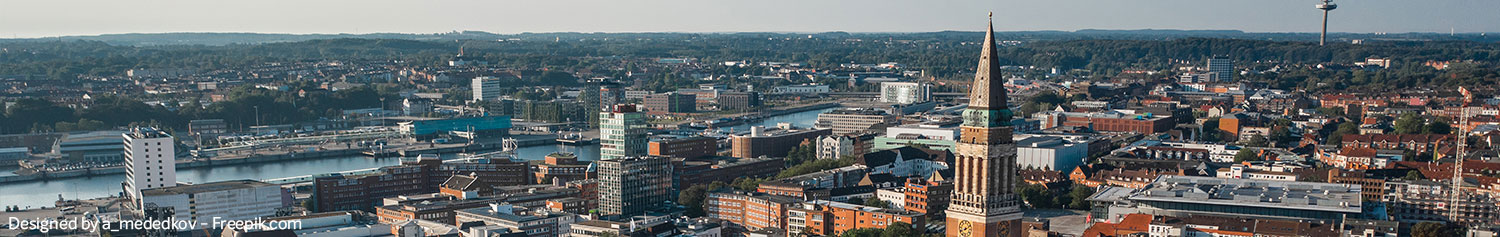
{"points": [[44, 193], [804, 119]]}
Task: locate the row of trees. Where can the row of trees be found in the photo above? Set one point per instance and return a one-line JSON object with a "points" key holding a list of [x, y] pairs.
{"points": [[939, 55], [241, 108]]}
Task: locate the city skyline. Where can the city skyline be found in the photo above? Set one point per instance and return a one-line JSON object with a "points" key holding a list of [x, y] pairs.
{"points": [[48, 19]]}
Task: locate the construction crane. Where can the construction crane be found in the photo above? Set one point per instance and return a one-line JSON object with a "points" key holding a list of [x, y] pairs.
{"points": [[1458, 161]]}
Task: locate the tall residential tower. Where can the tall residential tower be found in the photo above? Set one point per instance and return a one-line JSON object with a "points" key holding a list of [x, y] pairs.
{"points": [[622, 132], [984, 202], [150, 161]]}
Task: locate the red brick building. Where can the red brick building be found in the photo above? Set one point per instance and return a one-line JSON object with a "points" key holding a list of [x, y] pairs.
{"points": [[687, 147], [754, 211], [928, 197]]}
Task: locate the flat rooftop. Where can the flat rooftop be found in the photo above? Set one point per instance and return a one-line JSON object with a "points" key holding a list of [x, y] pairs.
{"points": [[205, 187], [1311, 196]]}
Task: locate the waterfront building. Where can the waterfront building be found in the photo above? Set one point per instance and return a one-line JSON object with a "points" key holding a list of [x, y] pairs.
{"points": [[95, 146], [218, 201], [984, 201], [427, 174], [806, 89], [622, 133], [206, 130], [738, 100], [150, 161], [560, 167], [905, 92], [631, 186], [671, 103], [485, 126], [683, 147], [416, 106], [851, 121], [486, 88], [701, 96], [772, 143], [338, 192]]}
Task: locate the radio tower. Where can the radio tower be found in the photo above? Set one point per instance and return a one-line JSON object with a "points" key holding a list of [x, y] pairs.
{"points": [[1326, 6]]}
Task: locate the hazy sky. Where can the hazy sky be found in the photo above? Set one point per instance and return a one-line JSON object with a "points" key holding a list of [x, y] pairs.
{"points": [[39, 18]]}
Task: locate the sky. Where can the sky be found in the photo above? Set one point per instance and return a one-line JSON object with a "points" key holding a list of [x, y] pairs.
{"points": [[44, 18]]}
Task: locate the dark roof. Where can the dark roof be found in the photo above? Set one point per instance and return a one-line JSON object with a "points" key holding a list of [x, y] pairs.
{"points": [[459, 182], [885, 157]]}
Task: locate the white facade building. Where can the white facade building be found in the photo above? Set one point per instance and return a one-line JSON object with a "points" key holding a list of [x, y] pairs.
{"points": [[486, 88], [150, 161], [801, 89], [905, 92], [218, 201], [895, 196], [1051, 153]]}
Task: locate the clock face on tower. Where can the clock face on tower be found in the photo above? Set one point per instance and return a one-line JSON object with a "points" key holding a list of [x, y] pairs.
{"points": [[965, 229]]}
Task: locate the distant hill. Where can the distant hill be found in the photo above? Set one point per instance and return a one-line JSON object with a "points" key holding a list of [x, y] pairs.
{"points": [[215, 39]]}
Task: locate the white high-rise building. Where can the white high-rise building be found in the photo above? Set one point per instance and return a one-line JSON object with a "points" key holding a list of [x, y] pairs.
{"points": [[1222, 68], [150, 161], [622, 132], [486, 88], [905, 92]]}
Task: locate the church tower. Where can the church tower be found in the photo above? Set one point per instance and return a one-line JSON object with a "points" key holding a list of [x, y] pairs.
{"points": [[984, 200]]}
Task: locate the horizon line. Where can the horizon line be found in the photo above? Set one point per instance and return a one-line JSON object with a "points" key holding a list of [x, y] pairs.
{"points": [[722, 32]]}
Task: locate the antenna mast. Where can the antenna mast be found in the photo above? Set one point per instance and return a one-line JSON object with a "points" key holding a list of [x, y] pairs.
{"points": [[1326, 7]]}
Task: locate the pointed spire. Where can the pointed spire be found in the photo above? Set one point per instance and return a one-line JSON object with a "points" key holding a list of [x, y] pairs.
{"points": [[988, 90]]}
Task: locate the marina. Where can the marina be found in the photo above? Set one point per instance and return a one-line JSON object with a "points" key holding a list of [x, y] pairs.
{"points": [[108, 184]]}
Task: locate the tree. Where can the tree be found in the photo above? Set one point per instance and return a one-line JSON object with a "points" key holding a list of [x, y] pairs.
{"points": [[1080, 195], [1434, 229], [876, 202], [802, 154], [1037, 196], [1282, 135], [1246, 155], [693, 197], [743, 183], [1338, 135], [1438, 126], [1257, 141], [1410, 123], [1211, 131], [1412, 175], [892, 230]]}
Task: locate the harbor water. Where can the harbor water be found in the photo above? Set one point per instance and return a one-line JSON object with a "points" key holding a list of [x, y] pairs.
{"points": [[35, 194]]}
